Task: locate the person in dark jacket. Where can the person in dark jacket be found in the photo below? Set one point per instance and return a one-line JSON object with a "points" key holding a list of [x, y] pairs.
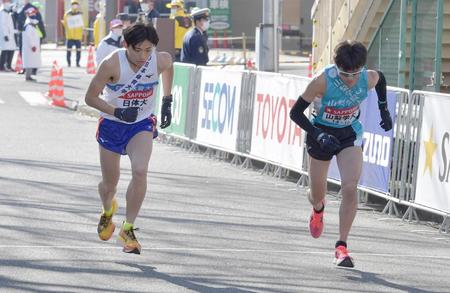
{"points": [[195, 42], [148, 8], [21, 17]]}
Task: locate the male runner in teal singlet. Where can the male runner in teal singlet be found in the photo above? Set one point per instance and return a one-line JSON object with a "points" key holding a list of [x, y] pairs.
{"points": [[335, 130]]}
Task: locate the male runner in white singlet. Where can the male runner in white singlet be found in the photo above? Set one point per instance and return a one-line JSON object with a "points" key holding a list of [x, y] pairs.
{"points": [[128, 79]]}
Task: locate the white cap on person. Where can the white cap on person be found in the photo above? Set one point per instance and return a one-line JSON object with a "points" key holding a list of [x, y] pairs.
{"points": [[198, 13]]}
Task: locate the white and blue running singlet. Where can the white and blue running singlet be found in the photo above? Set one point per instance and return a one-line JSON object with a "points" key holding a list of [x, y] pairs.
{"points": [[339, 106], [142, 94]]}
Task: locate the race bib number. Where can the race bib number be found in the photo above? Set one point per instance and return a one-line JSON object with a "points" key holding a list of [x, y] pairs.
{"points": [[340, 116], [75, 21]]}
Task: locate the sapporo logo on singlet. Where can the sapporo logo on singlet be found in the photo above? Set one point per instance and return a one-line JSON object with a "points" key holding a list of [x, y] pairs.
{"points": [[340, 116], [138, 96]]}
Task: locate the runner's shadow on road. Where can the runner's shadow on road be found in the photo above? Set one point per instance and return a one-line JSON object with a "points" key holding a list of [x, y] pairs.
{"points": [[366, 277], [191, 284]]}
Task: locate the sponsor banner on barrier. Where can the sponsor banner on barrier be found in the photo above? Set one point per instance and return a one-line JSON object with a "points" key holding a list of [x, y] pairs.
{"points": [[433, 172], [181, 97], [218, 114], [275, 137], [377, 145]]}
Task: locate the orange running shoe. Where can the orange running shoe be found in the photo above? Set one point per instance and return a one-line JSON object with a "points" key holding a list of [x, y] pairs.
{"points": [[129, 241], [342, 259], [316, 223], [106, 227]]}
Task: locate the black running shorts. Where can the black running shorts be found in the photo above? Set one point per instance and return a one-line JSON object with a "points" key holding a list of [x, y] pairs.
{"points": [[346, 135]]}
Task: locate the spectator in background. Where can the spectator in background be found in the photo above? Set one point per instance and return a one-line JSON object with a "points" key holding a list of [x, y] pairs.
{"points": [[41, 25], [195, 43], [73, 26], [21, 18], [125, 18], [148, 8], [31, 42], [183, 23], [133, 7], [99, 30], [7, 40], [111, 42]]}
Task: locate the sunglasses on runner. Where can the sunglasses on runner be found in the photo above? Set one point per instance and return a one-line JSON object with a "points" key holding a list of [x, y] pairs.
{"points": [[349, 74]]}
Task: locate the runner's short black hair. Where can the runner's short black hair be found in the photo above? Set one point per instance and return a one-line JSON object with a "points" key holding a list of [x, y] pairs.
{"points": [[139, 32], [350, 55]]}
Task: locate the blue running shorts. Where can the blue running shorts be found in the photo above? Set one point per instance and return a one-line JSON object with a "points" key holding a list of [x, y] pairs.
{"points": [[114, 136]]}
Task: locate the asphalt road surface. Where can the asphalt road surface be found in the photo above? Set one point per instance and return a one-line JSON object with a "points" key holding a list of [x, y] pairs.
{"points": [[205, 226]]}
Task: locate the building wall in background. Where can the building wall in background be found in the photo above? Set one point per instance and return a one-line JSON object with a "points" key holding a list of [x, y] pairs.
{"points": [[245, 17], [295, 21]]}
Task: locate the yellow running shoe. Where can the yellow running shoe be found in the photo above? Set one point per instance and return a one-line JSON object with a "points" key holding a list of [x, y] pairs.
{"points": [[106, 227], [129, 241]]}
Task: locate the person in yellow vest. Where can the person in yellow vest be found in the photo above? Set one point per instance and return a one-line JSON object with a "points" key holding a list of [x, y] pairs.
{"points": [[99, 30], [183, 24], [73, 27]]}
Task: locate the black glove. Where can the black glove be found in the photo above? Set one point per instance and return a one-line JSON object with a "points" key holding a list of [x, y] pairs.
{"points": [[6, 38], [386, 120], [166, 111], [327, 142], [126, 114]]}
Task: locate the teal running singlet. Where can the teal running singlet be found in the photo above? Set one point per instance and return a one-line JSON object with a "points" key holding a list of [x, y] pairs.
{"points": [[339, 107]]}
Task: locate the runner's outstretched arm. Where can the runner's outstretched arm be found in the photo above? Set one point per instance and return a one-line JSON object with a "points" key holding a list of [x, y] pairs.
{"points": [[101, 78], [165, 68], [378, 81]]}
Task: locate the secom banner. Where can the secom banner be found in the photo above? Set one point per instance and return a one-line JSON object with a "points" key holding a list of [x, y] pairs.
{"points": [[218, 110], [275, 137], [433, 187]]}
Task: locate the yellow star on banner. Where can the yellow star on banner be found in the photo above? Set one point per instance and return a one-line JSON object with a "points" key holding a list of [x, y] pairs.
{"points": [[430, 148]]}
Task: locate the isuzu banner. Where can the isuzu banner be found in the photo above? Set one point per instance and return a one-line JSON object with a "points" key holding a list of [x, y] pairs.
{"points": [[218, 110], [433, 173], [377, 144], [275, 137], [181, 98]]}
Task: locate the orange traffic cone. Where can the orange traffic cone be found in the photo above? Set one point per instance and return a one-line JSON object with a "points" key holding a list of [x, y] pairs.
{"points": [[53, 81], [310, 66], [58, 89], [19, 64], [90, 67]]}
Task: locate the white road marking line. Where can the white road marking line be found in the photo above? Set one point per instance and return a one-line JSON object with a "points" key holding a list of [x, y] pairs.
{"points": [[34, 98], [1, 101], [390, 255]]}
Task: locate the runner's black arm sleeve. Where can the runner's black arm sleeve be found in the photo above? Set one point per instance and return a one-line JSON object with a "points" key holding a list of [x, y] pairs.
{"points": [[298, 116], [380, 88]]}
